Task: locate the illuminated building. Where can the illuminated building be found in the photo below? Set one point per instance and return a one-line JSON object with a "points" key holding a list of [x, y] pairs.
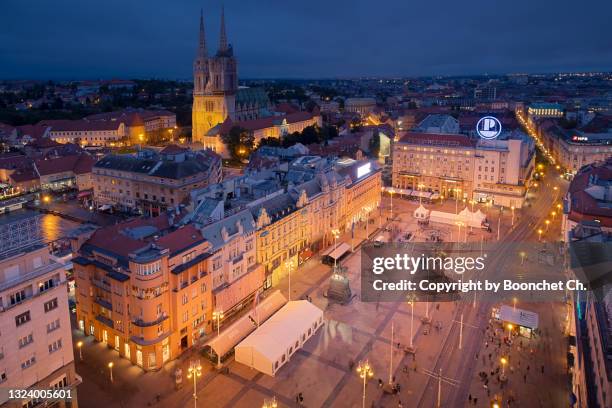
{"points": [[216, 95], [36, 348], [144, 288], [150, 181]]}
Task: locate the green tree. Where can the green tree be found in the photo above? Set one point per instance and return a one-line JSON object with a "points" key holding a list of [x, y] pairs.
{"points": [[375, 145], [239, 142]]}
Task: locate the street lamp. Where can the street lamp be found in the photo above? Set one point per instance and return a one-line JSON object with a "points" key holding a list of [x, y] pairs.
{"points": [[391, 191], [540, 234], [514, 303], [547, 222], [522, 254], [365, 371], [194, 371], [554, 213], [110, 368], [218, 315], [80, 347], [503, 361], [411, 303], [510, 327], [271, 403], [336, 234], [459, 225], [512, 208], [288, 265], [420, 187]]}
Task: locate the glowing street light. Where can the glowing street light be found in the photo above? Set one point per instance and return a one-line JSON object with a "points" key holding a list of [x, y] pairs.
{"points": [[510, 326], [540, 234], [289, 265], [547, 222], [512, 208], [523, 255], [80, 347], [554, 213], [110, 368], [336, 234], [365, 371], [194, 371], [503, 362], [218, 315]]}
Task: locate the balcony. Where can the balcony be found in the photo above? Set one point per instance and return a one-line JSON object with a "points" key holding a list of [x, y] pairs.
{"points": [[101, 284], [104, 303], [105, 320], [143, 323]]}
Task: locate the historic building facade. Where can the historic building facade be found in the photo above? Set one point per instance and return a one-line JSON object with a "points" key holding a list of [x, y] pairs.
{"points": [[216, 95]]}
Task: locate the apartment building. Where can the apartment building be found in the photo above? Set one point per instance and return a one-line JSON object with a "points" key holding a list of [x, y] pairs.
{"points": [[283, 232], [144, 288], [151, 181], [575, 148], [236, 274], [35, 336]]}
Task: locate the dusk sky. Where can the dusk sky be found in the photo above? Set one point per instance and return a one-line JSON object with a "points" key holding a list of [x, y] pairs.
{"points": [[65, 39]]}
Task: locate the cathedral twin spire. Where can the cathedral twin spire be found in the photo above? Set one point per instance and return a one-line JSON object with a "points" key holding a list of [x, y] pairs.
{"points": [[223, 46]]}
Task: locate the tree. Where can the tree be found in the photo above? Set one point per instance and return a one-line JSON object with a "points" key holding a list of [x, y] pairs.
{"points": [[239, 142], [375, 145], [270, 141]]}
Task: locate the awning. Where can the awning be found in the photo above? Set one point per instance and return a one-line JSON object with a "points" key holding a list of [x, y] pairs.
{"points": [[104, 207], [244, 326], [339, 251], [84, 194], [518, 316]]}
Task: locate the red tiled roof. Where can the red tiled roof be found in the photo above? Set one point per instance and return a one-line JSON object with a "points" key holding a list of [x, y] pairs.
{"points": [[112, 238], [13, 161], [79, 164], [435, 139], [180, 239], [34, 131], [80, 125], [20, 176]]}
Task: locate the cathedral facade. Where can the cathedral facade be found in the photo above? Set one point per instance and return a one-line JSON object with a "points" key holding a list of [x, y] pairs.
{"points": [[216, 95]]}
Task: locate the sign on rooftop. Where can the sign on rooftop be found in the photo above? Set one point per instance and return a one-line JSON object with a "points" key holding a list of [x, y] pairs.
{"points": [[488, 127]]}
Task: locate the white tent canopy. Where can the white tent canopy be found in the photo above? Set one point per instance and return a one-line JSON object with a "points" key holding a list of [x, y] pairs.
{"points": [[467, 217], [421, 212], [270, 346], [336, 251], [241, 328]]}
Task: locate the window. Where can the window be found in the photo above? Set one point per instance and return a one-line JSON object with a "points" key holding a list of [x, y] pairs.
{"points": [[203, 287], [18, 297], [22, 318], [2, 376], [56, 345], [28, 363], [185, 298], [25, 340], [50, 305], [185, 316], [46, 285], [54, 325]]}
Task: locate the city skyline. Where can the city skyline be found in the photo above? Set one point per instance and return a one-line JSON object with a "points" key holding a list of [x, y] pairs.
{"points": [[290, 41]]}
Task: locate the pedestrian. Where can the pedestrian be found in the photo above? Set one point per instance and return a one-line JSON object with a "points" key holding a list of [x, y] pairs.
{"points": [[380, 383], [475, 401], [490, 356], [542, 369], [525, 378], [405, 369], [399, 404], [470, 398], [486, 344], [527, 367], [301, 398], [398, 345]]}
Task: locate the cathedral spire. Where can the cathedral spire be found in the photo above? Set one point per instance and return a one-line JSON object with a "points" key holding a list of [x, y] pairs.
{"points": [[223, 36], [202, 45]]}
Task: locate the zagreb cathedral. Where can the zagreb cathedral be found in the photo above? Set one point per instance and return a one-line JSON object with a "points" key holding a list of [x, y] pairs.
{"points": [[216, 95]]}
